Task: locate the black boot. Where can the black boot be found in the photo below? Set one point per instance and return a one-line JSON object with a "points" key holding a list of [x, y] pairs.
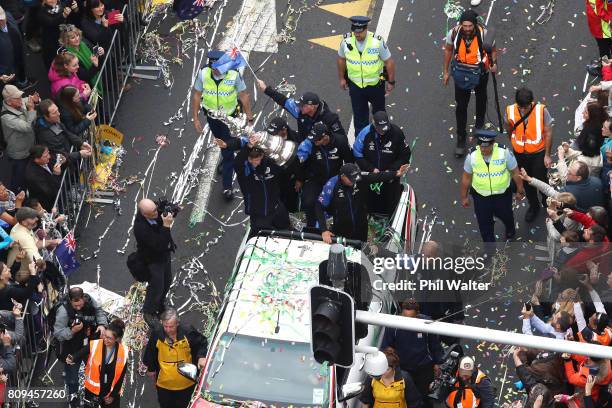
{"points": [[460, 149]]}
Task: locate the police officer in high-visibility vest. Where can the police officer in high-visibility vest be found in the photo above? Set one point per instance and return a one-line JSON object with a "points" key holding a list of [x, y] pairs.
{"points": [[487, 172], [105, 365], [530, 128], [473, 389], [464, 47], [361, 59], [214, 91]]}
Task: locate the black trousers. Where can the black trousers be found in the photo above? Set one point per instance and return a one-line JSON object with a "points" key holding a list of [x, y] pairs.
{"points": [[310, 194], [360, 97], [159, 284], [422, 376], [278, 220], [384, 201], [174, 399], [534, 165], [605, 47], [94, 399], [497, 205], [462, 98]]}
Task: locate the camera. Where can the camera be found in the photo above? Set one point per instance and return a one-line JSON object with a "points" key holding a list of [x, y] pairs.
{"points": [[78, 319], [166, 207], [528, 306], [442, 386]]}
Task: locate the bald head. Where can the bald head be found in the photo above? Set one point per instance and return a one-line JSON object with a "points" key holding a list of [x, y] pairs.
{"points": [[148, 209], [430, 249]]}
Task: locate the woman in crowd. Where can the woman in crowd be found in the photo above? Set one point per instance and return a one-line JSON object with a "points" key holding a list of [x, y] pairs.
{"points": [[105, 365], [50, 16], [63, 72], [590, 139], [90, 62], [75, 114], [10, 290], [95, 25]]}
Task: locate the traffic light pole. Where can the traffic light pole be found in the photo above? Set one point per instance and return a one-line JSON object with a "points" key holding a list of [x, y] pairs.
{"points": [[480, 333]]}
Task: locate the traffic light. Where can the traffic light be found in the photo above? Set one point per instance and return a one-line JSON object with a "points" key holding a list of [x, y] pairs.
{"points": [[332, 325]]}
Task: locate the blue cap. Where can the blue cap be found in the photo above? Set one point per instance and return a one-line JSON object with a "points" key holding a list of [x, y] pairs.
{"points": [[359, 23], [485, 137], [214, 55]]}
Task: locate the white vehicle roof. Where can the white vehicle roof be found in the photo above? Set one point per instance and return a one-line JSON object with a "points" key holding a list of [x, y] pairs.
{"points": [[271, 288]]}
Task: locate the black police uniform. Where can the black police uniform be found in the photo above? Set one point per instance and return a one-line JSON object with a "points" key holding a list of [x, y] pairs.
{"points": [[383, 152], [261, 190], [348, 205]]}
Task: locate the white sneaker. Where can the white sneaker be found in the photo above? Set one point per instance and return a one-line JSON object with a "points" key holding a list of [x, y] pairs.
{"points": [[475, 2]]}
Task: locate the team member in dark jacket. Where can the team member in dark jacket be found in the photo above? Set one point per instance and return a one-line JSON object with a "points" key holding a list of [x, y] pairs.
{"points": [[320, 157], [155, 246], [420, 353], [343, 197], [258, 177], [166, 348], [382, 146], [308, 110]]}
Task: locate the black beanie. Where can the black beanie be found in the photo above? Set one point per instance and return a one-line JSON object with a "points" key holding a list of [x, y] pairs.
{"points": [[469, 15]]}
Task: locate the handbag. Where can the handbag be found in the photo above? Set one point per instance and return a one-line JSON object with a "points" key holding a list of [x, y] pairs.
{"points": [[466, 77], [138, 267]]}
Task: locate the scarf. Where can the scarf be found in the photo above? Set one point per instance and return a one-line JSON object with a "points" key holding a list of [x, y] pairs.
{"points": [[84, 54]]}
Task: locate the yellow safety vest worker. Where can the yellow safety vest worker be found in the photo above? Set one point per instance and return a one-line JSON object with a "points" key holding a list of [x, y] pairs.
{"points": [[363, 68], [222, 96], [468, 398], [391, 396], [493, 178], [527, 138], [168, 359], [94, 365]]}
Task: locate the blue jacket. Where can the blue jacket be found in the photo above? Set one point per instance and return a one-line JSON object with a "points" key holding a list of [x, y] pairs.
{"points": [[588, 192]]}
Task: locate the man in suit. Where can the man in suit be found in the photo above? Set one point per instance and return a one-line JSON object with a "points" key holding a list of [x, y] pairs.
{"points": [[42, 179]]}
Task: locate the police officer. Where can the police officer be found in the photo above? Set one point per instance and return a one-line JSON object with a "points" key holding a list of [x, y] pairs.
{"points": [[472, 389], [343, 197], [308, 110], [258, 177], [382, 146], [530, 128], [320, 158], [361, 59], [487, 172], [464, 45], [214, 91]]}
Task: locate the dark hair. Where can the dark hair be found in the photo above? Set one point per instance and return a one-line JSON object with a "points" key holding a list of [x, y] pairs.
{"points": [[31, 202], [599, 215], [37, 151], [75, 294], [411, 304], [66, 98], [570, 236], [583, 170], [90, 5], [564, 321], [597, 115], [255, 153], [598, 233], [117, 326], [44, 106], [537, 390], [60, 61], [523, 97], [392, 358]]}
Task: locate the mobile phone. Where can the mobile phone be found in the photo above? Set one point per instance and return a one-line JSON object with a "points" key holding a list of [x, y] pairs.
{"points": [[528, 306], [95, 50], [593, 371], [582, 276]]}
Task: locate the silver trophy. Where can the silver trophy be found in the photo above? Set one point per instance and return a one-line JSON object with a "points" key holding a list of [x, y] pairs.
{"points": [[275, 147]]}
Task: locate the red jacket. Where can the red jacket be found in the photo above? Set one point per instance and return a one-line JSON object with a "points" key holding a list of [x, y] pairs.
{"points": [[586, 221], [595, 16]]}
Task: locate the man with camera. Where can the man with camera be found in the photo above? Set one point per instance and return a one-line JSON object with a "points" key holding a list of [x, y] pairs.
{"points": [[155, 246], [77, 320], [472, 388]]}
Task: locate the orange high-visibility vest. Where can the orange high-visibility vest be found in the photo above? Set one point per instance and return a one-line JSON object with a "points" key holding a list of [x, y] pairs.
{"points": [[527, 138], [468, 398], [94, 365], [603, 339], [470, 55]]}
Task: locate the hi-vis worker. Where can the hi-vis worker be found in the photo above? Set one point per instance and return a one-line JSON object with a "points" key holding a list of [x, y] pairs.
{"points": [[470, 70], [530, 128], [361, 59], [473, 388], [214, 91], [169, 345], [487, 172], [105, 365], [388, 386]]}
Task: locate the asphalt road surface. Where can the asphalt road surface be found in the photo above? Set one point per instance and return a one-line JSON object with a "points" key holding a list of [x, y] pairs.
{"points": [[549, 58]]}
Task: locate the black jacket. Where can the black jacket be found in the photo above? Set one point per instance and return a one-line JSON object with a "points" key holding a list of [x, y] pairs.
{"points": [[57, 139], [320, 163], [348, 205], [412, 396], [387, 152], [50, 19], [41, 184], [71, 122], [197, 343], [21, 293], [97, 33], [259, 185], [11, 48], [154, 242], [305, 122]]}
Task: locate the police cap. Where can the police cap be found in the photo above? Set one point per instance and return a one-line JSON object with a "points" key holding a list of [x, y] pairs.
{"points": [[485, 137], [214, 55], [359, 23]]}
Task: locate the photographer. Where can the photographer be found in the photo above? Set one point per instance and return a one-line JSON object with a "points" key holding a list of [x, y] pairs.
{"points": [[472, 389], [155, 245], [76, 322]]}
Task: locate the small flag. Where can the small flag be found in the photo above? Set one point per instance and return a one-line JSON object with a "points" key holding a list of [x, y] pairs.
{"points": [[65, 253], [189, 9], [232, 59]]}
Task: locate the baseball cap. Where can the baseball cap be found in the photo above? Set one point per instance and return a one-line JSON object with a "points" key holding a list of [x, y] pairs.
{"points": [[317, 131], [309, 98], [381, 121], [466, 365], [351, 171], [276, 125], [10, 92]]}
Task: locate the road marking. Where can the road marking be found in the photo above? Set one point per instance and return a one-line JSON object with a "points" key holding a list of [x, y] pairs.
{"points": [[489, 13], [254, 29], [349, 8], [383, 28], [332, 42]]}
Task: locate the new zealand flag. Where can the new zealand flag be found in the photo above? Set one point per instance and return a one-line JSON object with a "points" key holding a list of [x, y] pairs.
{"points": [[66, 254], [232, 59], [188, 9]]}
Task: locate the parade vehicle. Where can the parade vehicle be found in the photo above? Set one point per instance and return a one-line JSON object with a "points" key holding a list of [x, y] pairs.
{"points": [[260, 352]]}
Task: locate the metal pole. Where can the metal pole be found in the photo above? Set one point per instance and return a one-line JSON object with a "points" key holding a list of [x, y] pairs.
{"points": [[480, 333]]}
